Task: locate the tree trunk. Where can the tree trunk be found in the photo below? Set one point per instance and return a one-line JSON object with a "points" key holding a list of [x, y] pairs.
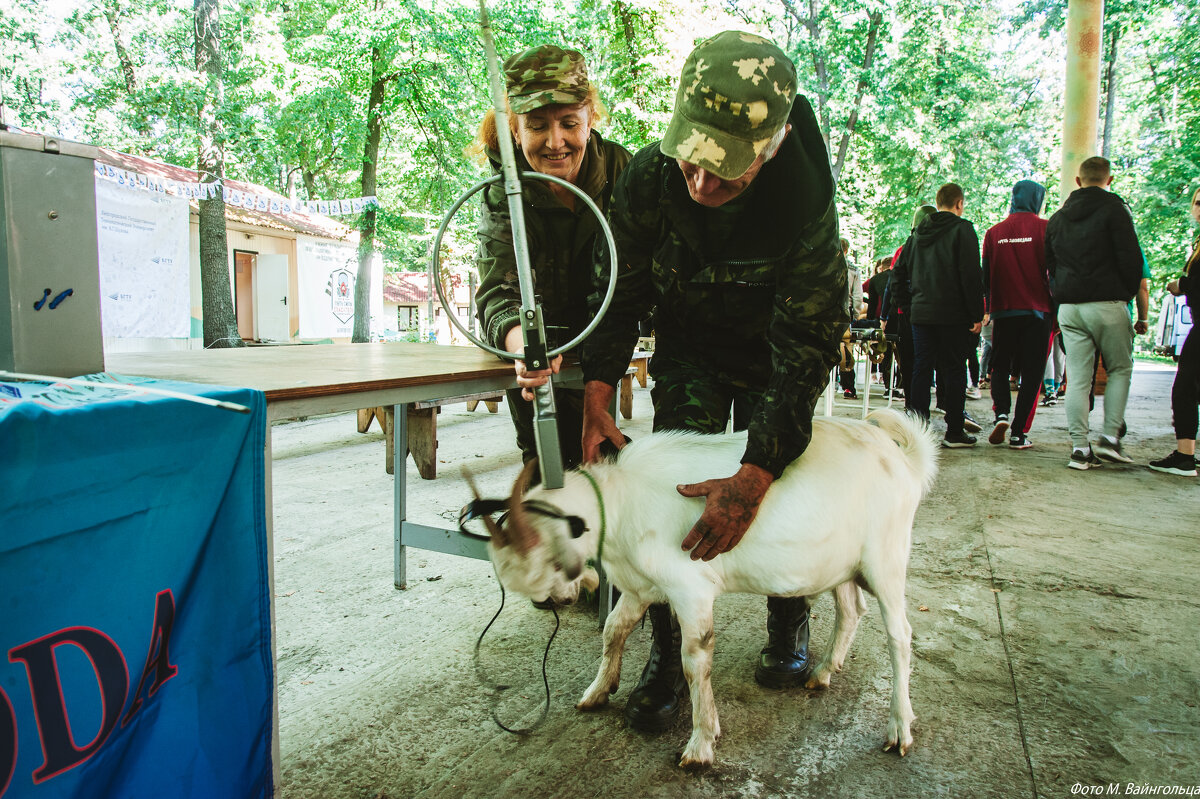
{"points": [[811, 24], [819, 67], [628, 25], [112, 13], [370, 168], [868, 55], [1110, 91], [220, 320]]}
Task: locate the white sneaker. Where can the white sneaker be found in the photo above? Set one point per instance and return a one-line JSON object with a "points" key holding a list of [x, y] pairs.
{"points": [[1110, 450]]}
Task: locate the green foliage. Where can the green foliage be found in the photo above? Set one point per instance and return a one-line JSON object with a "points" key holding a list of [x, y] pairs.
{"points": [[954, 92]]}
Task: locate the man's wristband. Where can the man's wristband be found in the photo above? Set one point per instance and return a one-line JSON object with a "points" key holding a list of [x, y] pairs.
{"points": [[1143, 320]]}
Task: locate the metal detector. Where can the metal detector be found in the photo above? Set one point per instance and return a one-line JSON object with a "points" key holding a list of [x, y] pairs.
{"points": [[545, 425]]}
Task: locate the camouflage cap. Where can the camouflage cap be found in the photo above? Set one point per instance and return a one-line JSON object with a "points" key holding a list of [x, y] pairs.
{"points": [[545, 75], [735, 93]]}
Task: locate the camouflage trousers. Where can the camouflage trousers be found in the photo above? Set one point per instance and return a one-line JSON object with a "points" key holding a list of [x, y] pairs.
{"points": [[568, 407], [688, 397]]}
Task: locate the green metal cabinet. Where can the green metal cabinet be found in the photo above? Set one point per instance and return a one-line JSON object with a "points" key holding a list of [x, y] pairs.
{"points": [[49, 267]]}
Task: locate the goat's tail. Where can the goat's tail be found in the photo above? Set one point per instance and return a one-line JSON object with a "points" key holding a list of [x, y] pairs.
{"points": [[917, 440]]}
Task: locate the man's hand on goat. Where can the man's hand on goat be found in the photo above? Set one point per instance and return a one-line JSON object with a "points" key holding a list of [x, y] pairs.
{"points": [[730, 506], [598, 424]]}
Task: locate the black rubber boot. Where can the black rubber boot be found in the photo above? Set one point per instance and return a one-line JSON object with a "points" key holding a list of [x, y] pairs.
{"points": [[655, 704], [785, 662]]}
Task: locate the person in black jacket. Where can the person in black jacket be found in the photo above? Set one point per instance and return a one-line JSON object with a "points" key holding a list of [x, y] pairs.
{"points": [[1186, 388], [898, 316], [1095, 266], [938, 278]]}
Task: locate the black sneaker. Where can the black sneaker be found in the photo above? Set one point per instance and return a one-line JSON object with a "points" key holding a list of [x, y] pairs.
{"points": [[1176, 463], [850, 394], [1019, 441], [958, 441], [1084, 460], [970, 425], [1110, 450], [997, 436]]}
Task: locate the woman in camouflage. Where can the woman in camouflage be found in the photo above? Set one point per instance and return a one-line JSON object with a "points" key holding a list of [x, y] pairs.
{"points": [[553, 109]]}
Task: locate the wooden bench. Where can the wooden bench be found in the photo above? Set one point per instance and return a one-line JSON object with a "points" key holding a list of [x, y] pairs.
{"points": [[422, 428], [641, 362], [422, 419]]}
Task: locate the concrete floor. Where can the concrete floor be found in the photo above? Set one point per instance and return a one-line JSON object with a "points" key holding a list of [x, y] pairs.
{"points": [[1054, 616]]}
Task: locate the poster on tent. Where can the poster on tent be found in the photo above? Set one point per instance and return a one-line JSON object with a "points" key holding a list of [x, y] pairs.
{"points": [[143, 246], [327, 272]]}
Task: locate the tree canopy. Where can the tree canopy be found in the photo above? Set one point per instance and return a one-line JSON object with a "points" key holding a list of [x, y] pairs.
{"points": [[909, 95]]}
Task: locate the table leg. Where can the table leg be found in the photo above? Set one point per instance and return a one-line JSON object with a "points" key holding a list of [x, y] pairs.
{"points": [[387, 421], [866, 395], [399, 435], [829, 392], [269, 506]]}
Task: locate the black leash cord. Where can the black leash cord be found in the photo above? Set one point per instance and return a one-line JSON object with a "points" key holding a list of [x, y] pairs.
{"points": [[487, 683]]}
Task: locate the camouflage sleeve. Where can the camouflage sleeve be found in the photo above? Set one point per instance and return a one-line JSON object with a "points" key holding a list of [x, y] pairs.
{"points": [[498, 298], [634, 219], [808, 321]]}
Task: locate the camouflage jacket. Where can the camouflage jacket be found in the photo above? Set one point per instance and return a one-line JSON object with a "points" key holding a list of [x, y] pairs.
{"points": [[560, 247], [767, 309]]}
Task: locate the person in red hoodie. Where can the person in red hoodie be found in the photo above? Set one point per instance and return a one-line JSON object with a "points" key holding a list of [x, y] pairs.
{"points": [[1017, 287]]}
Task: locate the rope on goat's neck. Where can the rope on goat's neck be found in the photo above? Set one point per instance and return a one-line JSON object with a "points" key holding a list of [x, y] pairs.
{"points": [[603, 520]]}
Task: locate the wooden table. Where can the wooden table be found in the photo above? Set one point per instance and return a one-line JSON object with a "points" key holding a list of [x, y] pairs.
{"points": [[304, 381]]}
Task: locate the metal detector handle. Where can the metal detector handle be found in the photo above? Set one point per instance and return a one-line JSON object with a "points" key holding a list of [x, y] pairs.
{"points": [[533, 333]]}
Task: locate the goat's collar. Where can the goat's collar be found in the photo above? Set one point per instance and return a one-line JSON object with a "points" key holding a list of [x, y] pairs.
{"points": [[603, 520]]}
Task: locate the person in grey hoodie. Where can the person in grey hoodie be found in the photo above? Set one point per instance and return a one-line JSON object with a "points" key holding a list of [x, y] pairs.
{"points": [[1095, 267]]}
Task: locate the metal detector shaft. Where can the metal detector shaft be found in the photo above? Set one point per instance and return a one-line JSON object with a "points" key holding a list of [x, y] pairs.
{"points": [[545, 424]]}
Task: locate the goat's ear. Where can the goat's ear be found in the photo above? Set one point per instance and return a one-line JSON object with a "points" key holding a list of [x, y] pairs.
{"points": [[521, 533], [499, 537]]}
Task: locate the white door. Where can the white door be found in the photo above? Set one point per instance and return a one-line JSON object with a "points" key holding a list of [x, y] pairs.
{"points": [[271, 310]]}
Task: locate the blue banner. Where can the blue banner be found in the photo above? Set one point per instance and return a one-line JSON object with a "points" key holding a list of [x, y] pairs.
{"points": [[135, 637]]}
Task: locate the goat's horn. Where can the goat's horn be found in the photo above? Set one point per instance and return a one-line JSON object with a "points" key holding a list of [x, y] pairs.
{"points": [[524, 537], [499, 537]]}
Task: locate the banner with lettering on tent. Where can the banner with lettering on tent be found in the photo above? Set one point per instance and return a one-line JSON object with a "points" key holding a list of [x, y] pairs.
{"points": [[135, 593], [266, 203]]}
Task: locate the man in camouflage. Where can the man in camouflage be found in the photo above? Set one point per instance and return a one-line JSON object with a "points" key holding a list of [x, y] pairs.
{"points": [[728, 228]]}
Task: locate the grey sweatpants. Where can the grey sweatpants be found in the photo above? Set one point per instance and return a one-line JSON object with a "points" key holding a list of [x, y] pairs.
{"points": [[1089, 328]]}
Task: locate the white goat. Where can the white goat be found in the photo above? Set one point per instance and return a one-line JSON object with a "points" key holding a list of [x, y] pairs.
{"points": [[841, 515]]}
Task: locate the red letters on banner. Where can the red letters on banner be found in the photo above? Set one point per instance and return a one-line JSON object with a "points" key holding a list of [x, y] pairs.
{"points": [[60, 751]]}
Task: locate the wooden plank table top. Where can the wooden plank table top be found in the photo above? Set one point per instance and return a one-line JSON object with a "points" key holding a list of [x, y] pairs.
{"points": [[304, 372]]}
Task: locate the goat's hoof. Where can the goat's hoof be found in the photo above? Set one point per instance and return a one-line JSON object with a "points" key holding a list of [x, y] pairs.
{"points": [[698, 753], [595, 696], [592, 703], [694, 763], [819, 680], [901, 747]]}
